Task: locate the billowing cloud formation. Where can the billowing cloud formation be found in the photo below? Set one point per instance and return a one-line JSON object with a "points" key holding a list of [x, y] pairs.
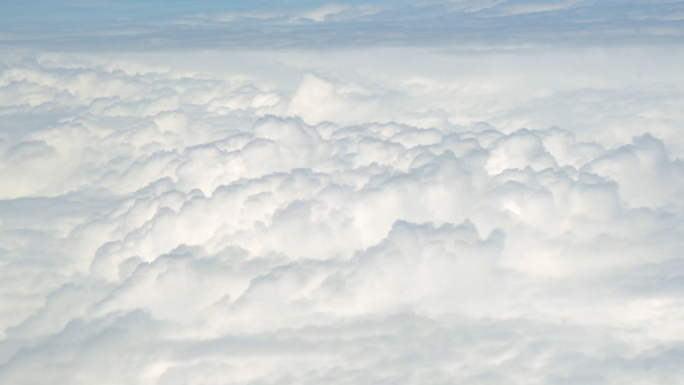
{"points": [[183, 229]]}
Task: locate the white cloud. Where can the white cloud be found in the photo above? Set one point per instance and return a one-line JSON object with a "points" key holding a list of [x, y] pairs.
{"points": [[351, 216], [319, 14]]}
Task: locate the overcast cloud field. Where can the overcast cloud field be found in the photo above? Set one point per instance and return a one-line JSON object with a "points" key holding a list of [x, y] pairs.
{"points": [[360, 192]]}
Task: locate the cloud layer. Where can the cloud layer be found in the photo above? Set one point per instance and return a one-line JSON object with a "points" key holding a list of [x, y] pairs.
{"points": [[177, 228]]}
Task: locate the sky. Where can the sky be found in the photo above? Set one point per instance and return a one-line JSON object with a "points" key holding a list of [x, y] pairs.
{"points": [[359, 192], [479, 24]]}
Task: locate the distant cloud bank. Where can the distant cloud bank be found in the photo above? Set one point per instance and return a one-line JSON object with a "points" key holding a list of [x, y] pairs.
{"points": [[472, 192]]}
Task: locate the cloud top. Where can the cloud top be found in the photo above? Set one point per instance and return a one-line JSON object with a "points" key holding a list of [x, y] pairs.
{"points": [[198, 229], [472, 192]]}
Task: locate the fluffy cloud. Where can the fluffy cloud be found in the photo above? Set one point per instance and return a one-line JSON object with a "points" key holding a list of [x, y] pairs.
{"points": [[372, 215]]}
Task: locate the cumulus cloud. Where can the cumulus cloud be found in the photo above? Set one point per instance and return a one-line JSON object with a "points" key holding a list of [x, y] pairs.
{"points": [[387, 215]]}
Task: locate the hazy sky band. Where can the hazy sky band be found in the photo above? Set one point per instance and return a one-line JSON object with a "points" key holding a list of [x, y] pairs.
{"points": [[208, 25]]}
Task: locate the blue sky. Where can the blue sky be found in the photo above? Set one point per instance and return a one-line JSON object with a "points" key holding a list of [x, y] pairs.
{"points": [[144, 10], [206, 24]]}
